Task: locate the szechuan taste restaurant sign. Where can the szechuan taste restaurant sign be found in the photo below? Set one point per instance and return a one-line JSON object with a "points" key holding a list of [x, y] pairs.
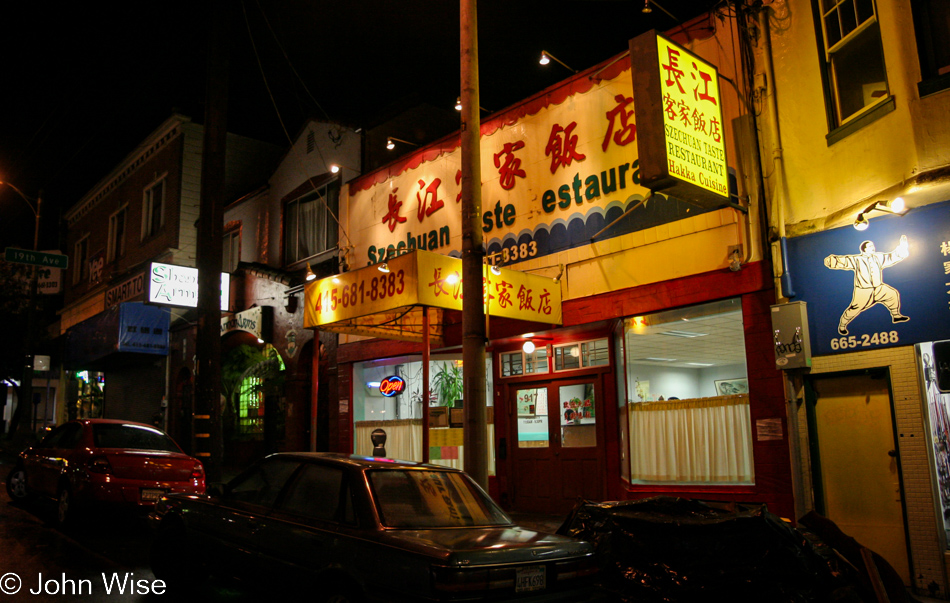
{"points": [[679, 114]]}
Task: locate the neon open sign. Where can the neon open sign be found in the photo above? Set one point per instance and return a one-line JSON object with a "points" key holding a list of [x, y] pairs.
{"points": [[392, 386]]}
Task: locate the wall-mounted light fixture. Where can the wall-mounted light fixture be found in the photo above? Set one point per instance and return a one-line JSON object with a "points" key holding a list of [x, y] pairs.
{"points": [[529, 345], [458, 104], [391, 142], [496, 270], [310, 274], [547, 57], [384, 267], [895, 206]]}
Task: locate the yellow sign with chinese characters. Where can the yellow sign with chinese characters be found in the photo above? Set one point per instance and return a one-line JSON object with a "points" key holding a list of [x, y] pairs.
{"points": [[692, 118], [428, 279]]}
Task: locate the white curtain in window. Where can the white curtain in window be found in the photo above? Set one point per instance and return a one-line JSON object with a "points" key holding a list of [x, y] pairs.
{"points": [[404, 442], [706, 440], [309, 229], [403, 438]]}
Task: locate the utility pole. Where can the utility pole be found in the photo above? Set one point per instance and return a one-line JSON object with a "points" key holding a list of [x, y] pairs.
{"points": [[208, 409], [473, 308]]}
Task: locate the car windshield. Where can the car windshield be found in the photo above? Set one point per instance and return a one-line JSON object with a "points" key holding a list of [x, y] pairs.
{"points": [[432, 499], [135, 437]]}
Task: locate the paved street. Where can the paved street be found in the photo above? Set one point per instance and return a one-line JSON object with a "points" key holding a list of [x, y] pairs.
{"points": [[104, 558]]}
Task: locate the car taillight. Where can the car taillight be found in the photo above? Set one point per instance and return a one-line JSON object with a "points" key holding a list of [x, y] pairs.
{"points": [[99, 464], [198, 472]]}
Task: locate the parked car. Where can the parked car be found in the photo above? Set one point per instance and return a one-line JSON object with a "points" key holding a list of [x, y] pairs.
{"points": [[104, 461], [352, 528]]}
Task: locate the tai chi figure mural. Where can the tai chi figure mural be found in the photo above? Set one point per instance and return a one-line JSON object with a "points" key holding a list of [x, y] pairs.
{"points": [[869, 287]]}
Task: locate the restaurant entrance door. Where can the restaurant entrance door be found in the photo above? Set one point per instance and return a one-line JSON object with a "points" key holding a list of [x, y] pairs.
{"points": [[557, 435]]}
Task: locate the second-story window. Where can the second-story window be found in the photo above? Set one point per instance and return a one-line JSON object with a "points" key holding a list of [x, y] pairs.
{"points": [[310, 224], [853, 56], [116, 247], [932, 28], [231, 251], [80, 260], [153, 208]]}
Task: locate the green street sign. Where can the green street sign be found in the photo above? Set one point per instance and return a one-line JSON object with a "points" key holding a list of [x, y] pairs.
{"points": [[37, 258]]}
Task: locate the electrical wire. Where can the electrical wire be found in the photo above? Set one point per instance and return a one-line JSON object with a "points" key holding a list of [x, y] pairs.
{"points": [[260, 66]]}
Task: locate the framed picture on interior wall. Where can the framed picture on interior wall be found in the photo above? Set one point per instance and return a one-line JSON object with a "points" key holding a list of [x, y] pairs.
{"points": [[731, 387]]}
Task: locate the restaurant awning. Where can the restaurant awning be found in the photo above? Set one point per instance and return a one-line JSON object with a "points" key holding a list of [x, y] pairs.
{"points": [[389, 305]]}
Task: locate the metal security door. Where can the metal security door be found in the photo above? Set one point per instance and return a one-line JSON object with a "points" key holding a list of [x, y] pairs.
{"points": [[557, 438], [855, 469]]}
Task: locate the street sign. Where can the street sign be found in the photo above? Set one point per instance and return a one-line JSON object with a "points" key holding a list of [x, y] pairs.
{"points": [[36, 258]]}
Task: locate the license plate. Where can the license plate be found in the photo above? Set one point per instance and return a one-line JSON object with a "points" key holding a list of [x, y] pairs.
{"points": [[529, 578], [152, 495]]}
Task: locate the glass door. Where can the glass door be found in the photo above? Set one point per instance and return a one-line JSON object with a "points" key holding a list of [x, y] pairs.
{"points": [[558, 438]]}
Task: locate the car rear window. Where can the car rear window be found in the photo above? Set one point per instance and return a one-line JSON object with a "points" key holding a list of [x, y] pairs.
{"points": [[432, 499], [134, 437]]}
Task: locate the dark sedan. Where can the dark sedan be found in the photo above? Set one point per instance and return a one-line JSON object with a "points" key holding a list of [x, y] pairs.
{"points": [[104, 462], [356, 528]]}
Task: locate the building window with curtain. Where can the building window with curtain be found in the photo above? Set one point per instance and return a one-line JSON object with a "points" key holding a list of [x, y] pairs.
{"points": [[687, 402], [231, 249], [853, 60], [310, 223]]}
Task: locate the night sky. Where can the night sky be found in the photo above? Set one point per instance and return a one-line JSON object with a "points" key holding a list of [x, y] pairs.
{"points": [[84, 82]]}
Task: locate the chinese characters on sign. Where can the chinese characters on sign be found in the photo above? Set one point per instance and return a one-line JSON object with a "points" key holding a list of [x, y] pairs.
{"points": [[429, 279], [692, 118]]}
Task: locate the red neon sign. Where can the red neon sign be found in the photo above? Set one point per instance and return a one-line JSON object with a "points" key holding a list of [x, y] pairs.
{"points": [[392, 386]]}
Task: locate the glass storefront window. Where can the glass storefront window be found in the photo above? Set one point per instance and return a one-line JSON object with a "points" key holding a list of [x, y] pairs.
{"points": [[518, 363], [401, 415], [581, 355], [687, 401]]}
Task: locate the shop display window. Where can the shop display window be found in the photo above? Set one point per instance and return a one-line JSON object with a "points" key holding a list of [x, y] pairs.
{"points": [[686, 415], [400, 415]]}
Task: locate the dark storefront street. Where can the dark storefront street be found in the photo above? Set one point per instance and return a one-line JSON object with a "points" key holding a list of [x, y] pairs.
{"points": [[99, 558]]}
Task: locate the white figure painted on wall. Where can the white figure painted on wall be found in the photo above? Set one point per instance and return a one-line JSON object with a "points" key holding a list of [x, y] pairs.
{"points": [[869, 286]]}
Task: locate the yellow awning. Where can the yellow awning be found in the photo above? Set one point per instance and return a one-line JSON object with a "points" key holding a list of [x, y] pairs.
{"points": [[370, 302]]}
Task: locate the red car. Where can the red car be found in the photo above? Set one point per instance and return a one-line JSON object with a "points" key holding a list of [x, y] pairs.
{"points": [[104, 461]]}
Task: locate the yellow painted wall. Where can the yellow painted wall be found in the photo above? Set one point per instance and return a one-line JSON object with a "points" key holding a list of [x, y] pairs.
{"points": [[823, 179]]}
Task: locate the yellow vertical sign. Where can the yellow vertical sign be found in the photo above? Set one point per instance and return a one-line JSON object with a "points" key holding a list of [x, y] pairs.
{"points": [[692, 118]]}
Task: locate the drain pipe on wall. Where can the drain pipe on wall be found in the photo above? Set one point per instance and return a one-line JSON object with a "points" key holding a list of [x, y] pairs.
{"points": [[783, 286]]}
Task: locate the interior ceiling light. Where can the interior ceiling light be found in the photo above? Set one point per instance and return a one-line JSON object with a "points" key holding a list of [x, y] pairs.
{"points": [[309, 275], [334, 169], [683, 334], [384, 267]]}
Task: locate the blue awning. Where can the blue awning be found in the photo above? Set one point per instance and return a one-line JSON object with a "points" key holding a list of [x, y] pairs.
{"points": [[129, 327]]}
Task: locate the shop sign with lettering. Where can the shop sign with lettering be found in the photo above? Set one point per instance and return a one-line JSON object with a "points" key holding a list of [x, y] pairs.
{"points": [[555, 172], [172, 285], [128, 290], [682, 140], [433, 280]]}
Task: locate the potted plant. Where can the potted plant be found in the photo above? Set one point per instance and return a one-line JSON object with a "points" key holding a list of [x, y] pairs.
{"points": [[448, 383]]}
